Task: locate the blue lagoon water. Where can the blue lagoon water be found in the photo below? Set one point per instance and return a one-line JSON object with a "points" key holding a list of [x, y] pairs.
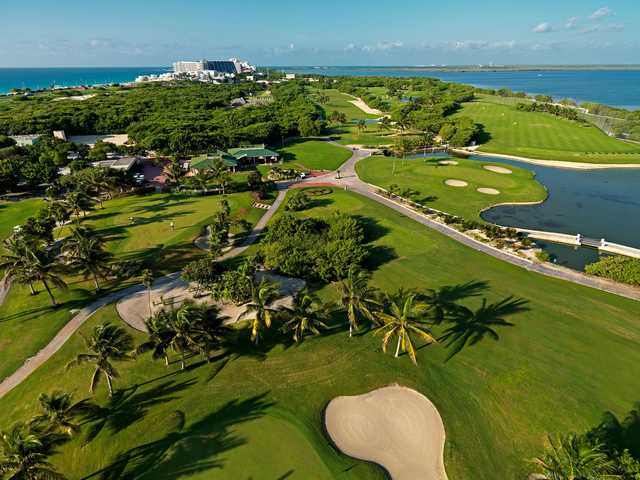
{"points": [[39, 78], [618, 88]]}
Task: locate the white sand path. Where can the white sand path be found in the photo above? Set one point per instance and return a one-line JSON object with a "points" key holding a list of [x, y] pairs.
{"points": [[134, 309], [396, 427], [361, 104]]}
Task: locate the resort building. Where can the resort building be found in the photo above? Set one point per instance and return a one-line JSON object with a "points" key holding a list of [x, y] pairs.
{"points": [[208, 161]]}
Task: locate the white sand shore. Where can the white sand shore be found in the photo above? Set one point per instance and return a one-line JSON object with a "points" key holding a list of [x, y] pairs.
{"points": [[551, 163], [396, 427]]}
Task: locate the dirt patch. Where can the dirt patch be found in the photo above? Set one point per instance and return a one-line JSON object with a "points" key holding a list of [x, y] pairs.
{"points": [[395, 427], [452, 182]]}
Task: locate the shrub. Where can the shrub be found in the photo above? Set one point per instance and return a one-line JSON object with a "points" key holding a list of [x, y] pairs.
{"points": [[543, 256], [298, 201], [620, 269]]}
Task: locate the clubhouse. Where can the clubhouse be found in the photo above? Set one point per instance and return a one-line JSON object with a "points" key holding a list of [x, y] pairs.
{"points": [[235, 158]]}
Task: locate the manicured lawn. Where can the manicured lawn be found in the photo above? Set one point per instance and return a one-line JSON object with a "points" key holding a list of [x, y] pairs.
{"points": [[545, 136], [150, 239], [15, 213], [371, 135], [565, 363], [426, 177], [313, 155]]}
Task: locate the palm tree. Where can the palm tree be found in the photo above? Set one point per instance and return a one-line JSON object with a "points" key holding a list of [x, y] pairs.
{"points": [[305, 315], [174, 172], [16, 262], [573, 458], [85, 253], [403, 317], [357, 297], [24, 456], [78, 202], [106, 344], [59, 412], [100, 183], [59, 212], [201, 180], [361, 125], [160, 337], [469, 327], [147, 281], [45, 268], [262, 295]]}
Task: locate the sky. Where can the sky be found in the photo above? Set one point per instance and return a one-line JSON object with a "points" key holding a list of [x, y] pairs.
{"points": [[51, 33]]}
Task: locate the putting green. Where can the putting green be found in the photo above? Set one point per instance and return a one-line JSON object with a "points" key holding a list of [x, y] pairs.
{"points": [[438, 186]]}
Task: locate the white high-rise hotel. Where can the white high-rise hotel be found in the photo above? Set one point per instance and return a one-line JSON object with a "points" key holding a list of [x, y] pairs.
{"points": [[231, 66]]}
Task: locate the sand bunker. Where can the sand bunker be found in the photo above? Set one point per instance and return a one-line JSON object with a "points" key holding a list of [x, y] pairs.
{"points": [[496, 169], [395, 427], [447, 162], [134, 309], [488, 191], [455, 183]]}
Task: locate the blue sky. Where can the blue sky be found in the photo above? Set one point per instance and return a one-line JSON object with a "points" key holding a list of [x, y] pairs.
{"points": [[327, 32]]}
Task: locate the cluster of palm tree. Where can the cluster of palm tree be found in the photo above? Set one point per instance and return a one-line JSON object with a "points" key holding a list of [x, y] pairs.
{"points": [[218, 174], [29, 260], [187, 330], [26, 446]]}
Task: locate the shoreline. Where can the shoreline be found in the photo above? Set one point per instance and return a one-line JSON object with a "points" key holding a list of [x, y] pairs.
{"points": [[551, 163]]}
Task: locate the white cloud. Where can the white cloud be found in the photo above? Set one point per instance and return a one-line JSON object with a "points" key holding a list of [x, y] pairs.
{"points": [[481, 45], [611, 27], [383, 46], [542, 28], [571, 23], [600, 13]]}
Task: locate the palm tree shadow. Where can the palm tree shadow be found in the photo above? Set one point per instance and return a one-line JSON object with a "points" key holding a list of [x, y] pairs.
{"points": [[469, 327], [130, 406], [619, 435], [187, 450]]}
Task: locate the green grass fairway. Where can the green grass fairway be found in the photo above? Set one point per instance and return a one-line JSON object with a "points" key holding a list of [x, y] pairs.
{"points": [[150, 238], [15, 213], [545, 136], [313, 155], [342, 103], [427, 178], [566, 362]]}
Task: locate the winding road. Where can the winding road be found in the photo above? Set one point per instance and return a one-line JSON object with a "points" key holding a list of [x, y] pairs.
{"points": [[348, 180]]}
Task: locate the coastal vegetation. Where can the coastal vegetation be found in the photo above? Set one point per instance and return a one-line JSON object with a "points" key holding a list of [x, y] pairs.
{"points": [[163, 420], [618, 268]]}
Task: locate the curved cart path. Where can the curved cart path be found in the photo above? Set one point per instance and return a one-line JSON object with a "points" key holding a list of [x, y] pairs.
{"points": [[348, 180]]}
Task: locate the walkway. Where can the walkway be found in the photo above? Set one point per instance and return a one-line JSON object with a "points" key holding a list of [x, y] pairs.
{"points": [[349, 180]]}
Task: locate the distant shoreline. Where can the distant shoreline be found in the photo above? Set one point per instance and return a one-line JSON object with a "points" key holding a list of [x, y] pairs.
{"points": [[466, 68]]}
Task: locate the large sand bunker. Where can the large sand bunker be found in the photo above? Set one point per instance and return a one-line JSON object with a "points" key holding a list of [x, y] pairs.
{"points": [[447, 162], [488, 191], [172, 290], [395, 427], [452, 182], [497, 169]]}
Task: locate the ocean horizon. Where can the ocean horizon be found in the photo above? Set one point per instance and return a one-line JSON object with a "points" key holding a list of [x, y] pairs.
{"points": [[614, 86]]}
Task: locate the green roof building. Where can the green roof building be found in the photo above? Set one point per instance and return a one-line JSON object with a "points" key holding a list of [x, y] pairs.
{"points": [[254, 155], [207, 161]]}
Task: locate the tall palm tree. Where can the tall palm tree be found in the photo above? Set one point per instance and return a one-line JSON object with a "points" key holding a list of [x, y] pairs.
{"points": [[24, 456], [174, 172], [160, 338], [16, 263], [357, 297], [403, 316], [573, 458], [45, 268], [107, 343], [304, 316], [262, 295], [469, 326], [202, 179], [85, 253], [59, 412], [79, 202]]}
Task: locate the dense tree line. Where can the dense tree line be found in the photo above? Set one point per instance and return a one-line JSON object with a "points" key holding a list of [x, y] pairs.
{"points": [[178, 118], [557, 110]]}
